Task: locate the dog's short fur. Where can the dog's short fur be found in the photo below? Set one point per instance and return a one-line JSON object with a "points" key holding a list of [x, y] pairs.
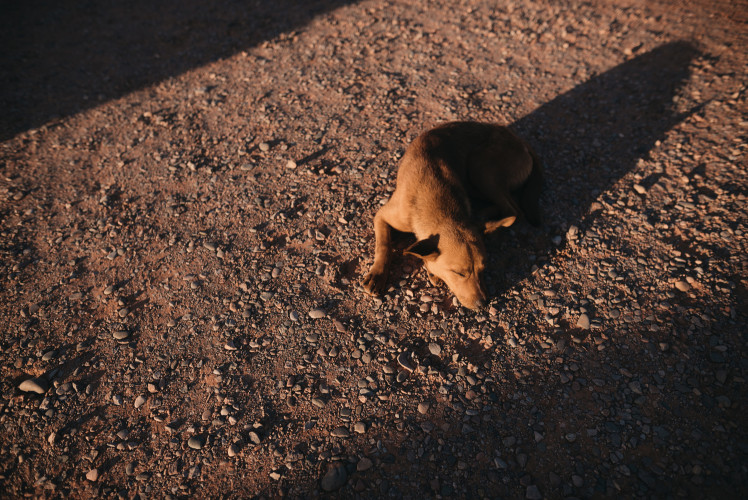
{"points": [[456, 182]]}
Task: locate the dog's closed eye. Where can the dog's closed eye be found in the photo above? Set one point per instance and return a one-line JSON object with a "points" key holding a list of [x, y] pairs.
{"points": [[459, 274]]}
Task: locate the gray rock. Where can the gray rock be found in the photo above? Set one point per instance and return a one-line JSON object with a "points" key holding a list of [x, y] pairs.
{"points": [[335, 477], [404, 360], [121, 334], [435, 348], [317, 313], [196, 442], [583, 322], [37, 385], [341, 431], [364, 464], [533, 493]]}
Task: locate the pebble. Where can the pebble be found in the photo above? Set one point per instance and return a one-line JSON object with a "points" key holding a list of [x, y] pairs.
{"points": [[264, 147], [533, 493], [435, 348], [317, 313], [682, 286], [640, 189], [294, 316], [92, 475], [364, 464], [404, 360], [37, 385], [583, 322], [341, 432], [123, 312], [121, 334], [233, 450], [335, 477], [196, 442], [423, 408], [359, 427], [117, 399]]}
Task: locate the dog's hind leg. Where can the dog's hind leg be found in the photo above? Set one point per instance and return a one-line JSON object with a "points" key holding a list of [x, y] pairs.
{"points": [[529, 196]]}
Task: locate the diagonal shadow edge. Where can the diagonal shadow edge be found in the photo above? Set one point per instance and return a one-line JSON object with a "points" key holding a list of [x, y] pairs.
{"points": [[60, 58], [593, 135]]}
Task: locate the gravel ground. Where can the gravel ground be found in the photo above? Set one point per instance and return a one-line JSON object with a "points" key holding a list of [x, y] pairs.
{"points": [[186, 203]]}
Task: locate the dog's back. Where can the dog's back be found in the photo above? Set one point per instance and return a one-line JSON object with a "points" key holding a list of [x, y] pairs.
{"points": [[468, 164]]}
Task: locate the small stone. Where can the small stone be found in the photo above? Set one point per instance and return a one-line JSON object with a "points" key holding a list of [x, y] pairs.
{"points": [[341, 432], [318, 402], [92, 475], [683, 286], [195, 442], [230, 346], [335, 478], [294, 316], [121, 334], [533, 493], [233, 450], [359, 428], [423, 408], [364, 464], [123, 312], [640, 189], [583, 322], [404, 360], [117, 399], [317, 313], [264, 147], [37, 385], [435, 348], [290, 164], [254, 437]]}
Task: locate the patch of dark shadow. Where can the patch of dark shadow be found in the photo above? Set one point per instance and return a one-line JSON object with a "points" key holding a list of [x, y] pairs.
{"points": [[593, 135], [60, 58]]}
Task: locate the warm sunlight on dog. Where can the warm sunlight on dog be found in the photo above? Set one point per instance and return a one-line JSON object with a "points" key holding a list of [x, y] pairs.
{"points": [[455, 183]]}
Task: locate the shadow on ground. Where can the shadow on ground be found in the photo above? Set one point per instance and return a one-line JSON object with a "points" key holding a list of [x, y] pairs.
{"points": [[591, 136], [60, 58]]}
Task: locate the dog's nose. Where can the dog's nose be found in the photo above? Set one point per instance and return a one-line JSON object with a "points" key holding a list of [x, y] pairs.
{"points": [[480, 303]]}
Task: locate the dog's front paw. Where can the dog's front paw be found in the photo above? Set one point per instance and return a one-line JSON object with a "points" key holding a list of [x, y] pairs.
{"points": [[374, 282]]}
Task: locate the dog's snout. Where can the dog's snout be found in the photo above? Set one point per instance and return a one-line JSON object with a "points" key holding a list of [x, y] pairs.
{"points": [[480, 303]]}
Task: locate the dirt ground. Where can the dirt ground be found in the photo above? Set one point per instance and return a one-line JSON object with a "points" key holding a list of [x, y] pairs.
{"points": [[186, 208]]}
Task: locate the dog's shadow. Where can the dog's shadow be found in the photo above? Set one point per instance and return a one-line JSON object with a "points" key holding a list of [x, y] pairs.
{"points": [[588, 139]]}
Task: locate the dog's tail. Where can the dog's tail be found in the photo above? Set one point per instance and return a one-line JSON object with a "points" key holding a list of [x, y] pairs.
{"points": [[529, 198]]}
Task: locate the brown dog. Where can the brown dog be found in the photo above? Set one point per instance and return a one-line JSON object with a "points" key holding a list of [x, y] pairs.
{"points": [[455, 183]]}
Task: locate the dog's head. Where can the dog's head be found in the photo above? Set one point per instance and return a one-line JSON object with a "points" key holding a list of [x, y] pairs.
{"points": [[457, 257]]}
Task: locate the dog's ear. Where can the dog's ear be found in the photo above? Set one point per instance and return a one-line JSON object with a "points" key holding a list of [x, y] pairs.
{"points": [[493, 225], [425, 249]]}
